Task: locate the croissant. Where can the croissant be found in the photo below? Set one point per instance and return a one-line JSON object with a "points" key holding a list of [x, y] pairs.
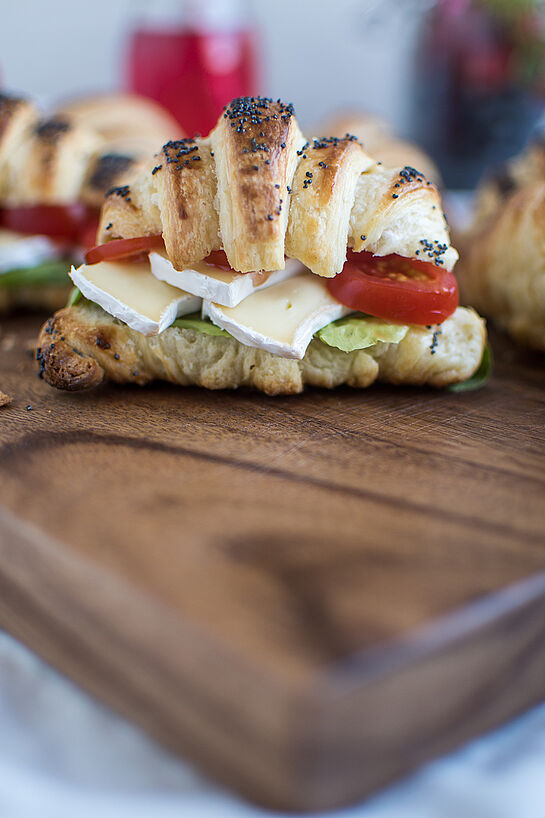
{"points": [[502, 270], [127, 123], [518, 172], [49, 164], [251, 226], [16, 117], [68, 157], [72, 157], [129, 127], [258, 189]]}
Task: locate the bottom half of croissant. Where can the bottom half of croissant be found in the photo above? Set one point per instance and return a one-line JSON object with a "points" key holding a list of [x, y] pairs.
{"points": [[82, 346]]}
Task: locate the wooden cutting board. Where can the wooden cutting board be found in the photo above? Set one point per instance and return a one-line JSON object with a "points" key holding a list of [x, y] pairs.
{"points": [[307, 596]]}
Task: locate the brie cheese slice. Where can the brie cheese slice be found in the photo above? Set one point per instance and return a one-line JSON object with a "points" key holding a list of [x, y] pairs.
{"points": [[225, 287], [18, 251], [130, 292], [281, 319]]}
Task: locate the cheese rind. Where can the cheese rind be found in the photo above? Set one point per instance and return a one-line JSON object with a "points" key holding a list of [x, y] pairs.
{"points": [[224, 287], [18, 251], [281, 319], [130, 292]]}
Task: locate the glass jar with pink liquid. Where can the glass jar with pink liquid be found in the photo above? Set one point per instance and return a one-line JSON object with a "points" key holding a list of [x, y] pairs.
{"points": [[193, 57]]}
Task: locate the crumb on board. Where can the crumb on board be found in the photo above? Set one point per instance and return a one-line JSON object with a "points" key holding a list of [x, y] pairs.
{"points": [[5, 400]]}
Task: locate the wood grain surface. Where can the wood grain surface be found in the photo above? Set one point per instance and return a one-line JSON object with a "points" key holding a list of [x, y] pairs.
{"points": [[307, 596]]}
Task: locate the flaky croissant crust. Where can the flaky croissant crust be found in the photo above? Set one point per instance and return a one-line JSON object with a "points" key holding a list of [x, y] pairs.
{"points": [[82, 346], [258, 189]]}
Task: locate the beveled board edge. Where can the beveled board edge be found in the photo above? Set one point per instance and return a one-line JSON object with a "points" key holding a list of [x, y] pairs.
{"points": [[379, 715], [328, 742], [191, 693]]}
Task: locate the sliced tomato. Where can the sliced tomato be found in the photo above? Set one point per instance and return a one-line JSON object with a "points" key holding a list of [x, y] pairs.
{"points": [[88, 234], [395, 288], [123, 248], [218, 258], [63, 222]]}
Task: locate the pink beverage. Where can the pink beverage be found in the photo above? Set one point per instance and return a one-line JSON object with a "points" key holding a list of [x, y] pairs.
{"points": [[195, 62]]}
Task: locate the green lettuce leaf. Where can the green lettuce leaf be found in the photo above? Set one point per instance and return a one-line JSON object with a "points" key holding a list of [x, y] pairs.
{"points": [[48, 274], [74, 297], [196, 322], [360, 331], [479, 378]]}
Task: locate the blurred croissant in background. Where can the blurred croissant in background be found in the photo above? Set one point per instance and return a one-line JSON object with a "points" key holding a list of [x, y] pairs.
{"points": [[502, 255], [379, 141], [54, 173]]}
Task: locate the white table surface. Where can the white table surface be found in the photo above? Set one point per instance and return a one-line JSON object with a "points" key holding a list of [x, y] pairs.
{"points": [[63, 755]]}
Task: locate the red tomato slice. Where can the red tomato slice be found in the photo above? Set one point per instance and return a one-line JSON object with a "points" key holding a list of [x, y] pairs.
{"points": [[88, 234], [395, 288], [62, 222], [123, 248], [218, 258]]}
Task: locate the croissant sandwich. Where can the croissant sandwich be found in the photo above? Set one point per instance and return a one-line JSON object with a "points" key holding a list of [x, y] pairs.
{"points": [[54, 173], [254, 257], [502, 270]]}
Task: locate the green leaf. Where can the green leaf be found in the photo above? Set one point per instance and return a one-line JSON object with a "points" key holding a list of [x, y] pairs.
{"points": [[48, 274], [199, 324], [74, 297], [479, 378], [360, 331]]}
